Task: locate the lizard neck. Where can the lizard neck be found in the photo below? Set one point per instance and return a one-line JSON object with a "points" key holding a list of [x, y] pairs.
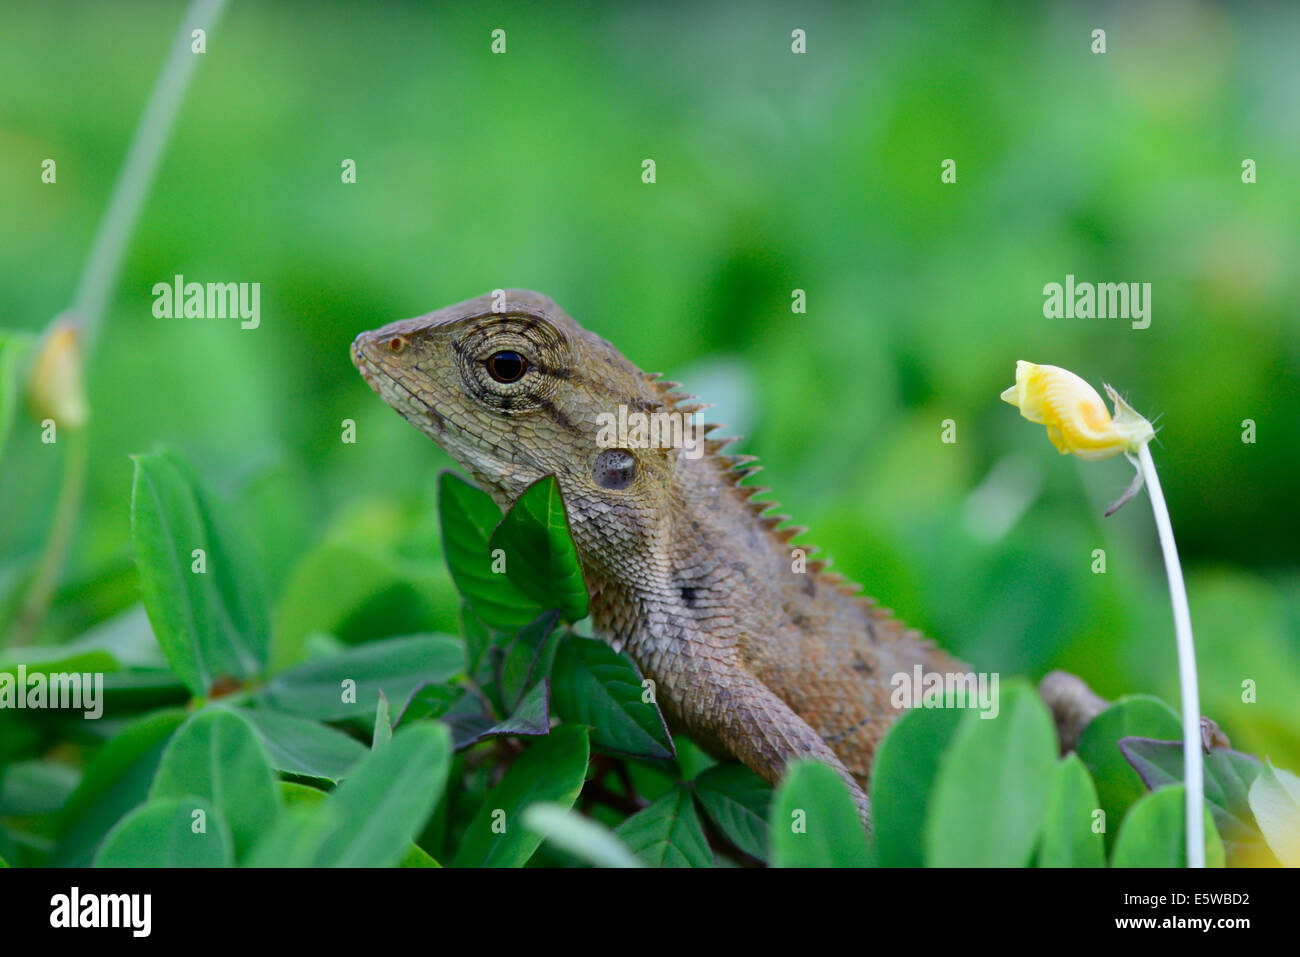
{"points": [[708, 571]]}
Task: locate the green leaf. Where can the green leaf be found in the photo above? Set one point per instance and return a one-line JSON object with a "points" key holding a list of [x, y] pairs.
{"points": [[384, 802], [124, 635], [691, 761], [540, 558], [217, 756], [429, 702], [527, 659], [162, 834], [815, 822], [477, 641], [129, 693], [348, 684], [738, 801], [416, 856], [667, 833], [36, 787], [1068, 836], [902, 782], [383, 725], [212, 624], [304, 747], [296, 838], [303, 795], [348, 590], [14, 349], [116, 780], [460, 709], [1152, 833], [990, 792], [580, 836], [552, 769], [1118, 785], [54, 678], [531, 717], [597, 686], [1275, 802], [1228, 776], [52, 659], [468, 517]]}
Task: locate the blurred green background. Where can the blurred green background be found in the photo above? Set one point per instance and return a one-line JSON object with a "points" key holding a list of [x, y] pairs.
{"points": [[775, 172]]}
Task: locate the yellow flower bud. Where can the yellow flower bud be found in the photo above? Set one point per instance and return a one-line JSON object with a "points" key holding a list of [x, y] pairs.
{"points": [[1075, 416], [55, 390]]}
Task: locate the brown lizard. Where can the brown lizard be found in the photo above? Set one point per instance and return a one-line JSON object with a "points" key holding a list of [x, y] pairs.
{"points": [[752, 654]]}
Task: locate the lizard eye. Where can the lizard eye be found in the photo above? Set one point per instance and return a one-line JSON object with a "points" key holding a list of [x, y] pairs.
{"points": [[507, 366]]}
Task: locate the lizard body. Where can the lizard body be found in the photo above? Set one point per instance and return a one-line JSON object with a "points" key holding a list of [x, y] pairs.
{"points": [[685, 570]]}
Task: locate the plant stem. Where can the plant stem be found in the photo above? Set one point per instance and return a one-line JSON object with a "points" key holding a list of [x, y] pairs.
{"points": [[98, 278], [1193, 772], [104, 262], [72, 484]]}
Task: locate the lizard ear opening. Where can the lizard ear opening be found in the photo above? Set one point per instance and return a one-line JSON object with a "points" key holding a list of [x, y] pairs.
{"points": [[613, 469]]}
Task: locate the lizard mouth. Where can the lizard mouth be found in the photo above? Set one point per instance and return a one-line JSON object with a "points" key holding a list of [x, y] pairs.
{"points": [[472, 450], [398, 394], [387, 386]]}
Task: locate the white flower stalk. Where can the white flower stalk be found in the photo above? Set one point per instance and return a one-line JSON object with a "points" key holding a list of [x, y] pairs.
{"points": [[1077, 423], [1193, 770]]}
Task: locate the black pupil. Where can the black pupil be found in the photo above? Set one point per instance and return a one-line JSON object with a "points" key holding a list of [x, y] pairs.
{"points": [[506, 366]]}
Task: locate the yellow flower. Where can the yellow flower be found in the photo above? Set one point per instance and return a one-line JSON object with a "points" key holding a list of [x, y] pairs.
{"points": [[55, 390], [1076, 418]]}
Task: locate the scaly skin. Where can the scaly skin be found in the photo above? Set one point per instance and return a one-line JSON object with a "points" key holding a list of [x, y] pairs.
{"points": [[750, 656]]}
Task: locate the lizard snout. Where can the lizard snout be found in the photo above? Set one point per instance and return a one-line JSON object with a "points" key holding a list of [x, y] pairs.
{"points": [[361, 360]]}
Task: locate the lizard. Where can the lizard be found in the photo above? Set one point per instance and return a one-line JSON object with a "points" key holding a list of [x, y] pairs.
{"points": [[755, 654]]}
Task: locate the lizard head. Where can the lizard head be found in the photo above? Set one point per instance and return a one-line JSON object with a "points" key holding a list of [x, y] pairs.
{"points": [[514, 389]]}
